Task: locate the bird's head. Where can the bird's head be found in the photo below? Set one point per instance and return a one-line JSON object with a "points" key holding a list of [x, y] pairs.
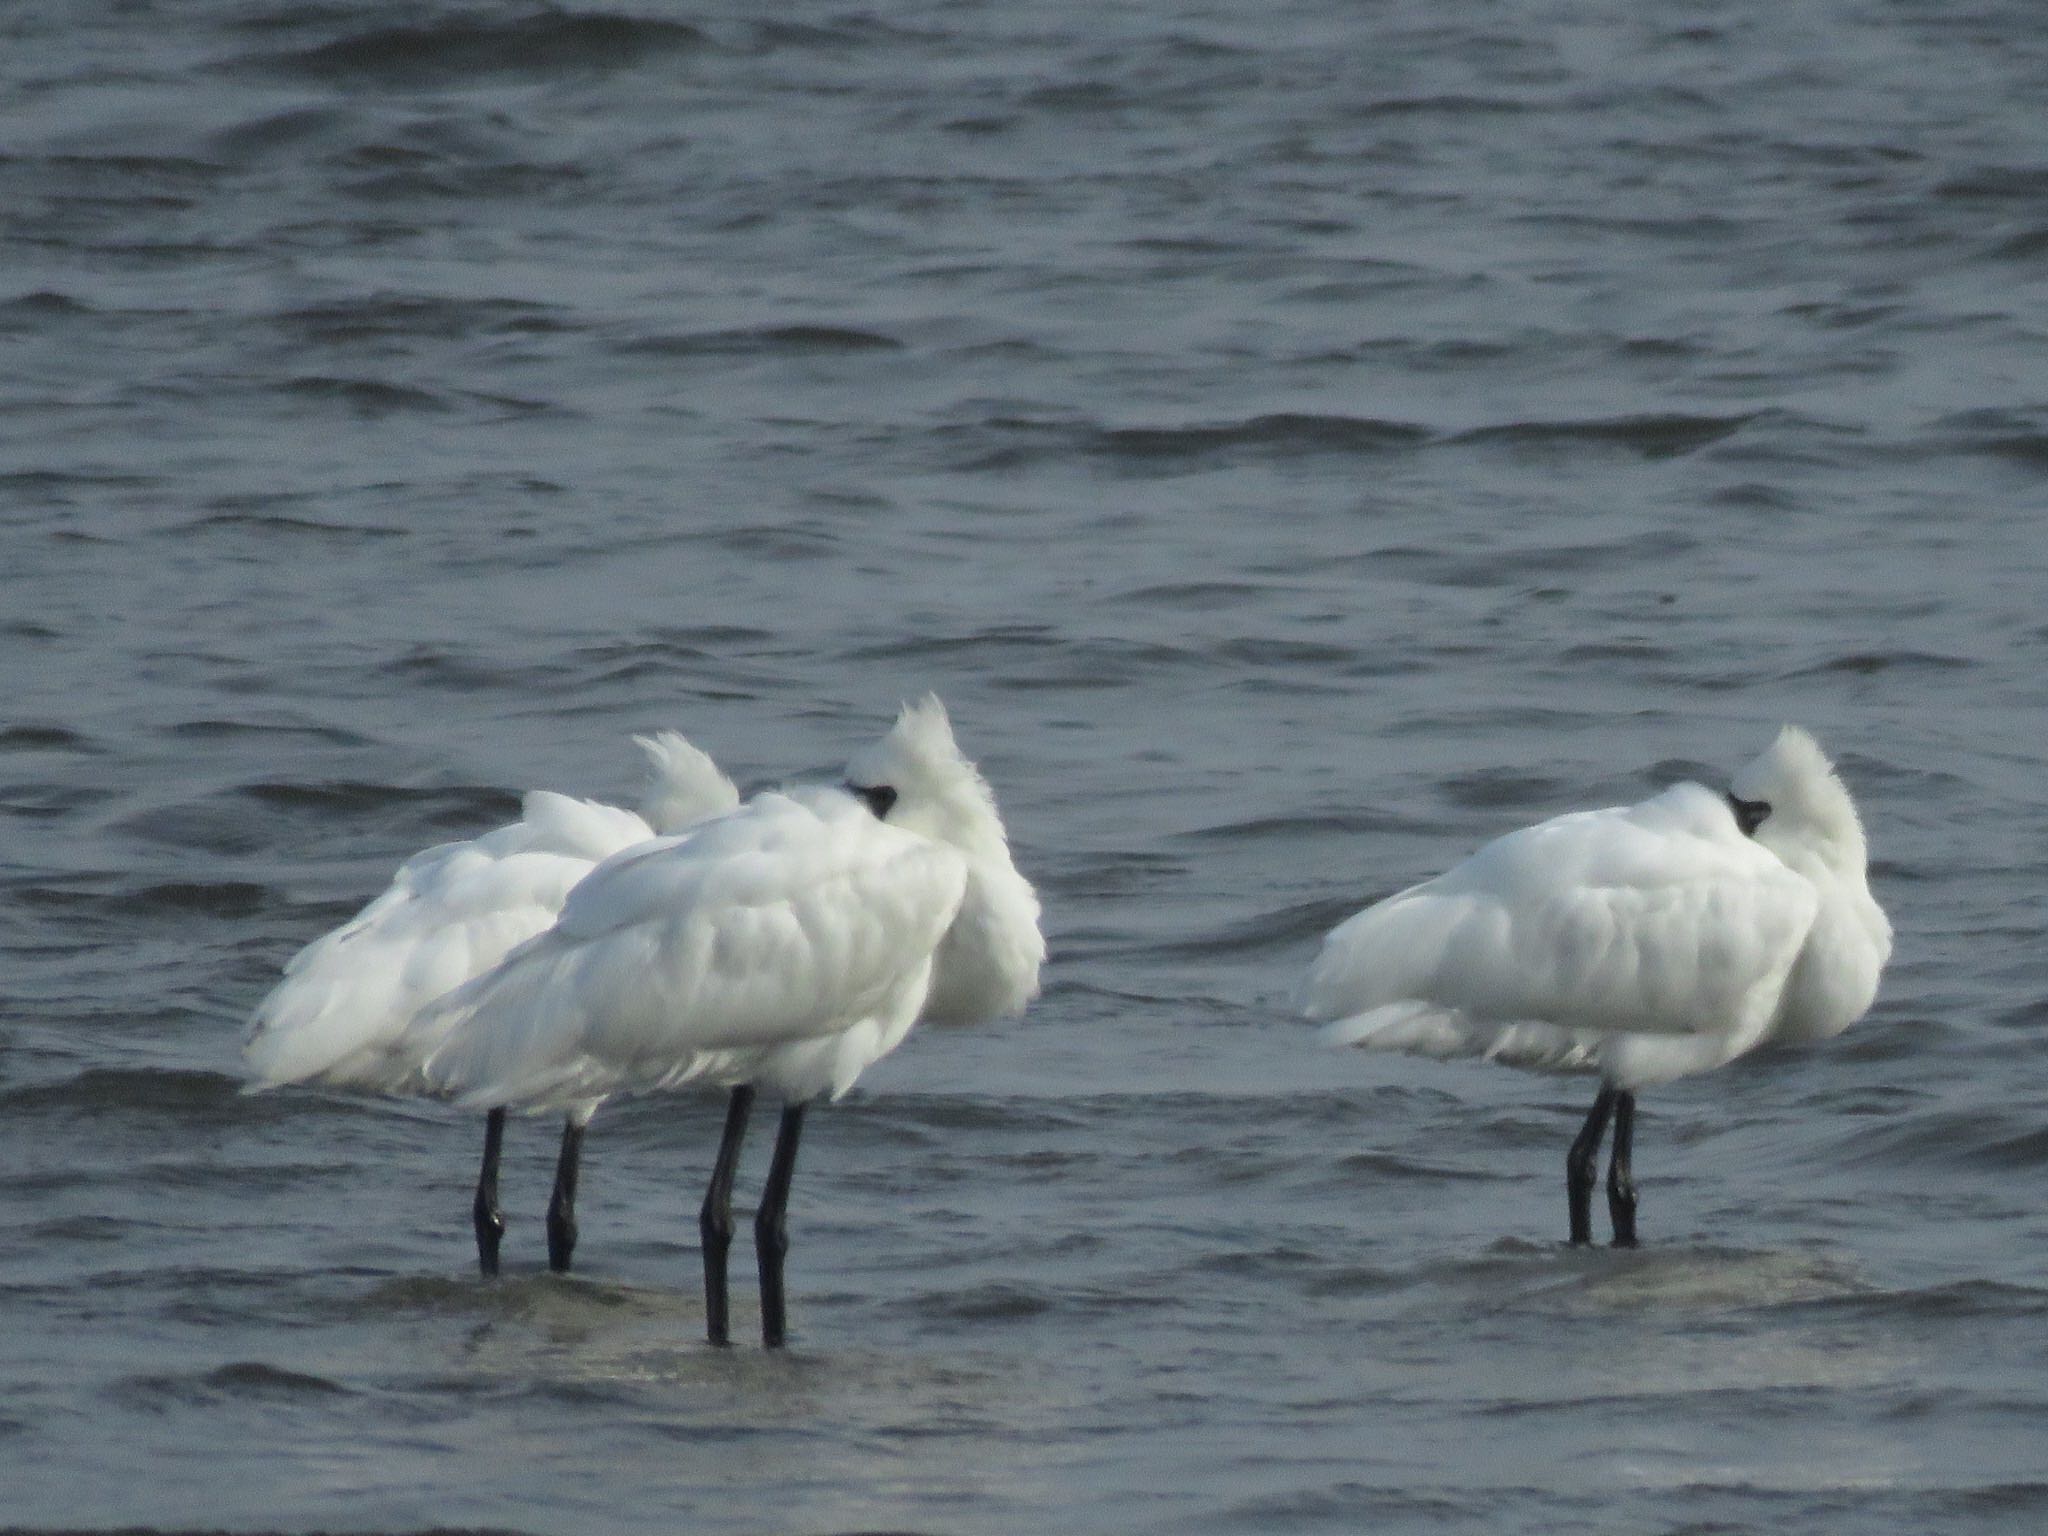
{"points": [[916, 778], [1791, 801]]}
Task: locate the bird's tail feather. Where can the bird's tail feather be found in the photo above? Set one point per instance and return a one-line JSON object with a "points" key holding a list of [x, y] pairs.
{"points": [[1627, 1058], [1422, 1029]]}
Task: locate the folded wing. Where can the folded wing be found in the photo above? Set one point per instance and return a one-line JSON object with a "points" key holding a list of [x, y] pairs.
{"points": [[450, 913], [1644, 942], [794, 919]]}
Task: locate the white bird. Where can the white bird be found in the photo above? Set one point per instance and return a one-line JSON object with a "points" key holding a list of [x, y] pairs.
{"points": [[785, 947], [1641, 943], [340, 1016]]}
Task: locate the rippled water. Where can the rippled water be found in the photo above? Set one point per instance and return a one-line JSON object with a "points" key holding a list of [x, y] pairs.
{"points": [[1300, 442]]}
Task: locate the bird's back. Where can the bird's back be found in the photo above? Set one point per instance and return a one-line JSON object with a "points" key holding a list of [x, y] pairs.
{"points": [[795, 918], [450, 914], [1554, 944]]}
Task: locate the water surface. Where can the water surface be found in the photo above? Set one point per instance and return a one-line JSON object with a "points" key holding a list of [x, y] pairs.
{"points": [[1300, 446]]}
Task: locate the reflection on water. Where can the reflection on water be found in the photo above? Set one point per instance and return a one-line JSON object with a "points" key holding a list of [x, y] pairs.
{"points": [[1299, 450]]}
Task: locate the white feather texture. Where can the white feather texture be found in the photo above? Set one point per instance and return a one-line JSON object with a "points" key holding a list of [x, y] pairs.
{"points": [[790, 945], [451, 913], [1643, 942], [684, 786], [988, 965], [1813, 827]]}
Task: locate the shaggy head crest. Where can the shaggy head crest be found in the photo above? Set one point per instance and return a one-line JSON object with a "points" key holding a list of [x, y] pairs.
{"points": [[684, 786], [937, 791], [1808, 802]]}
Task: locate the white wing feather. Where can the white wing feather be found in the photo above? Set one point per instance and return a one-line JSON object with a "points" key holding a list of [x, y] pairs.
{"points": [[793, 920], [450, 913], [1643, 942], [684, 785]]}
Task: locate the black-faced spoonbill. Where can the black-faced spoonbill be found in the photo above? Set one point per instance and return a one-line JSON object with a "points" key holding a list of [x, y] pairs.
{"points": [[339, 1017], [1640, 943], [785, 947]]}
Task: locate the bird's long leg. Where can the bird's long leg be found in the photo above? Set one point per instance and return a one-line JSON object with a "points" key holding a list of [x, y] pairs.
{"points": [[1582, 1164], [1621, 1185], [562, 1203], [489, 1221], [714, 1221], [771, 1231]]}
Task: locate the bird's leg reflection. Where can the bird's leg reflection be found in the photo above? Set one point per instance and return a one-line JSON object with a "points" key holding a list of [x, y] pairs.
{"points": [[714, 1221], [1621, 1185], [562, 1203], [771, 1232], [489, 1221], [1582, 1164]]}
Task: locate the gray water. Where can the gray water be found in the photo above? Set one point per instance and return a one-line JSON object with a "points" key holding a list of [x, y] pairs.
{"points": [[1300, 442]]}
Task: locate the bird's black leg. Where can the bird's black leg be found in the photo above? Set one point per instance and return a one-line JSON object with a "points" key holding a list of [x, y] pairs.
{"points": [[1582, 1165], [771, 1232], [562, 1203], [714, 1221], [1621, 1186], [490, 1223]]}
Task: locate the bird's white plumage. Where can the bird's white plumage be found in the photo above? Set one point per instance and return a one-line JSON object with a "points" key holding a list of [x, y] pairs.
{"points": [[989, 963], [1641, 942], [684, 786], [790, 944], [1813, 827], [987, 966], [452, 912]]}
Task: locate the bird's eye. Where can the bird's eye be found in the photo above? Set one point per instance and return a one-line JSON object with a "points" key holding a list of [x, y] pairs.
{"points": [[878, 798], [1749, 814]]}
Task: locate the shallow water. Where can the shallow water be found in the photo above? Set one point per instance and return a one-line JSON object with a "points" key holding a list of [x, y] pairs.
{"points": [[1299, 446]]}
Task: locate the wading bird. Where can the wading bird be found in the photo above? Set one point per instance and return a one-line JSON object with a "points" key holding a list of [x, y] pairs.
{"points": [[1640, 943], [785, 948], [339, 1017]]}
